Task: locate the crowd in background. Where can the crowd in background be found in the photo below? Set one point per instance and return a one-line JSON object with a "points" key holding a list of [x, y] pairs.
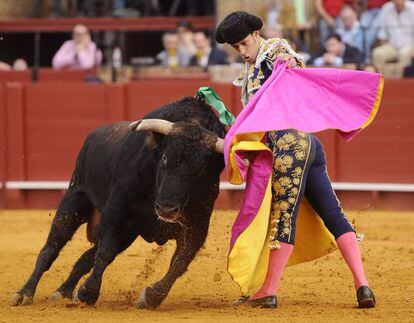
{"points": [[365, 34]]}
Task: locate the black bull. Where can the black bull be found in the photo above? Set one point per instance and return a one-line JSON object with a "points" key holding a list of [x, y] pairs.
{"points": [[159, 184]]}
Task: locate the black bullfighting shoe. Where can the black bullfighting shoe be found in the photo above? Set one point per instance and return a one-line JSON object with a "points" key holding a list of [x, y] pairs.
{"points": [[265, 302], [365, 297], [243, 300]]}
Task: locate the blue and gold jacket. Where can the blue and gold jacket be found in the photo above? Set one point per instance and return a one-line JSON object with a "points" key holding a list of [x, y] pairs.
{"points": [[254, 75]]}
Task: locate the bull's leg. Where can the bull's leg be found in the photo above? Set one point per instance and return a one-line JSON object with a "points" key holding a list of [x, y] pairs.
{"points": [[74, 209], [186, 250], [81, 268], [116, 233]]}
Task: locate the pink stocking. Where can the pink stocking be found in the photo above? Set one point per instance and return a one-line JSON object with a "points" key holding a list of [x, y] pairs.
{"points": [[348, 245], [277, 262]]}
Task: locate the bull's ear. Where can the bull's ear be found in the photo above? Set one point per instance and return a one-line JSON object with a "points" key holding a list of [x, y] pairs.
{"points": [[153, 139]]}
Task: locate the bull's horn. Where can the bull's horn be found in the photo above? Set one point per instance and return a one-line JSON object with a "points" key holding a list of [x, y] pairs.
{"points": [[156, 125], [219, 145]]}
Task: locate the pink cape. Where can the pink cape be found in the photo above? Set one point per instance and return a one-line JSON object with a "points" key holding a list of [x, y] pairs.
{"points": [[310, 100]]}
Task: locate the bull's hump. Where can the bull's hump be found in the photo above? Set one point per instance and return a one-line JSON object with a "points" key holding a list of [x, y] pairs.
{"points": [[113, 132]]}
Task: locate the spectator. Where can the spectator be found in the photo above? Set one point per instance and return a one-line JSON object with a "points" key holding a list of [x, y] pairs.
{"points": [[272, 12], [186, 41], [350, 29], [5, 67], [297, 15], [79, 53], [328, 11], [20, 65], [396, 32], [172, 55], [370, 23], [337, 53], [206, 55]]}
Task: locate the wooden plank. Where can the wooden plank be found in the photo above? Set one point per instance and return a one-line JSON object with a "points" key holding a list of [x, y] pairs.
{"points": [[99, 24], [15, 143], [2, 148]]}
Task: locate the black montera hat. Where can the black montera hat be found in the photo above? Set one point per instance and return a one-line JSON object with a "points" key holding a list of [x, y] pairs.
{"points": [[237, 26]]}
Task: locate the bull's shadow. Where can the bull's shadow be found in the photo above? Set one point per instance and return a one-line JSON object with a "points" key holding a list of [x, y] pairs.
{"points": [[158, 178]]}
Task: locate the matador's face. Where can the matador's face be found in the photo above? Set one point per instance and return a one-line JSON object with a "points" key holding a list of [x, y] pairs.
{"points": [[248, 48]]}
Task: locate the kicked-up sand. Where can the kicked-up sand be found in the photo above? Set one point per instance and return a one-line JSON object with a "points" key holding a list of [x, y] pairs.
{"points": [[318, 291]]}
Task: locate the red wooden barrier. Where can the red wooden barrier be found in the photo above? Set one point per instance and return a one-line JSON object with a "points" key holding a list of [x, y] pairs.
{"points": [[51, 75], [47, 75], [383, 152], [43, 125], [2, 147], [14, 76]]}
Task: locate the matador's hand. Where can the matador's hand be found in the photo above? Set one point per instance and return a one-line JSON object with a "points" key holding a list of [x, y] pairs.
{"points": [[291, 61]]}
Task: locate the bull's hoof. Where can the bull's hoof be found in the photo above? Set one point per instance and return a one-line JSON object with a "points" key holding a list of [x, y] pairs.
{"points": [[57, 297], [83, 295], [21, 299], [141, 302], [149, 299]]}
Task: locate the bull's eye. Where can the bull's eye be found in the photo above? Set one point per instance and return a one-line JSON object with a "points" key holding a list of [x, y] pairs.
{"points": [[164, 159]]}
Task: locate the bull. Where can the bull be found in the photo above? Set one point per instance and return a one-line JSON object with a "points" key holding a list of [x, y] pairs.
{"points": [[157, 178]]}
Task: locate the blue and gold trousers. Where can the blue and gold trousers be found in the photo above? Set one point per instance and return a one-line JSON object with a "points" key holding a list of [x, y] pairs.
{"points": [[299, 169]]}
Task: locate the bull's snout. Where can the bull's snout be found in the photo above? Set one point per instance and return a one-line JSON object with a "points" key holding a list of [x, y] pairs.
{"points": [[167, 212]]}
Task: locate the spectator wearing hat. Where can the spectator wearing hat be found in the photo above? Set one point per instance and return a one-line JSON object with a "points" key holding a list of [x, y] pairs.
{"points": [[205, 54], [79, 53], [396, 32]]}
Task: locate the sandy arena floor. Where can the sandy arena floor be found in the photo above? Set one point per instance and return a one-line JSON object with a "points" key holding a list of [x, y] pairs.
{"points": [[320, 291]]}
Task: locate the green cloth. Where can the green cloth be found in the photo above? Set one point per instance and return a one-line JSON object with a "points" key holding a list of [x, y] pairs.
{"points": [[206, 93]]}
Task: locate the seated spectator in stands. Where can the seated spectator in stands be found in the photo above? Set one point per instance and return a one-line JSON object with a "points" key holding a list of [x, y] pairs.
{"points": [[79, 53], [172, 55], [206, 55], [337, 53], [5, 67], [20, 65], [370, 24], [350, 29], [396, 33], [328, 11], [186, 40], [272, 12]]}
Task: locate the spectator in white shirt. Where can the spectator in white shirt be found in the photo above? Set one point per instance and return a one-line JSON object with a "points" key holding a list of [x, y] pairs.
{"points": [[350, 29], [396, 33]]}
